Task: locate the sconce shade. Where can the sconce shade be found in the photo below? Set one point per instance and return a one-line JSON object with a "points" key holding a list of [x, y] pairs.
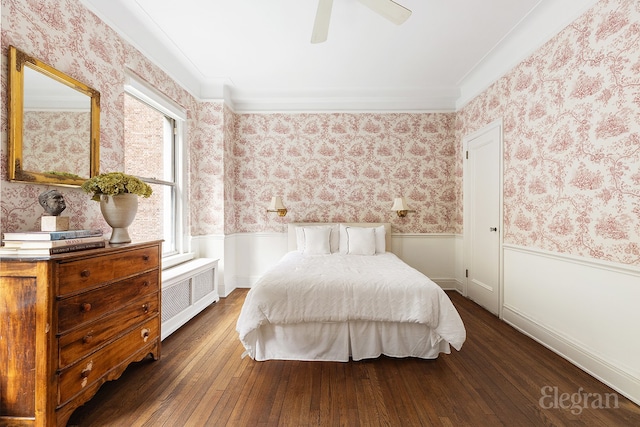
{"points": [[276, 204], [400, 204]]}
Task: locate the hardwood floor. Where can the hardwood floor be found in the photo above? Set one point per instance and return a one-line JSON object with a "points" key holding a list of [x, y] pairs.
{"points": [[499, 378]]}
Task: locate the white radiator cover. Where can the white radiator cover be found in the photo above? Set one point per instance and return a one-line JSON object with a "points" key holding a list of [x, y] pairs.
{"points": [[187, 289]]}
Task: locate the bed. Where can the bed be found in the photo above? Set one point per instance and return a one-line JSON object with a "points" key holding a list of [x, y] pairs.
{"points": [[340, 294]]}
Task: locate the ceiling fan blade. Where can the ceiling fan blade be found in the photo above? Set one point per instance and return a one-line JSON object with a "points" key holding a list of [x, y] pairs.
{"points": [[321, 24], [389, 9]]}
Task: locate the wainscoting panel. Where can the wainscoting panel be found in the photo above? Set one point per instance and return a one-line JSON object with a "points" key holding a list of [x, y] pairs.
{"points": [[248, 255], [585, 310], [432, 254]]}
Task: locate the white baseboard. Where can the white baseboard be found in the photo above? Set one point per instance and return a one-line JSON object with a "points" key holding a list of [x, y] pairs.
{"points": [[605, 372], [448, 284], [583, 309]]}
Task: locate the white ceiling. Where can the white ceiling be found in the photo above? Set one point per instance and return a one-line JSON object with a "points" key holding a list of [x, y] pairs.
{"points": [[257, 55]]}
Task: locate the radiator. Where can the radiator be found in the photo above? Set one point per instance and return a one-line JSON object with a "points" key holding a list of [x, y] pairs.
{"points": [[187, 289]]}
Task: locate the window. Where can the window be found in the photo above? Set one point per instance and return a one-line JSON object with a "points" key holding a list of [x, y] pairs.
{"points": [[153, 152]]}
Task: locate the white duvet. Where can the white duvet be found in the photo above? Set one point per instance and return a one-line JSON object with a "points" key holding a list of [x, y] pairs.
{"points": [[339, 288]]}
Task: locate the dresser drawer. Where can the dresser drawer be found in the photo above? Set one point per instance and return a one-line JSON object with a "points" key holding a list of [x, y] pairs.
{"points": [[91, 305], [77, 275], [74, 379], [85, 340]]}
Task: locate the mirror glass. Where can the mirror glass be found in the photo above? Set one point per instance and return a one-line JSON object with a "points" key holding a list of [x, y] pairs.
{"points": [[54, 125]]}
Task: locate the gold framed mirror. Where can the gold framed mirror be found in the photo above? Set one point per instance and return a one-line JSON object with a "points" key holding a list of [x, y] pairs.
{"points": [[54, 124]]}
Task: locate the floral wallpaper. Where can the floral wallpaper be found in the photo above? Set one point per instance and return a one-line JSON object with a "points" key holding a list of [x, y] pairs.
{"points": [[72, 39], [71, 131], [230, 135], [344, 167], [75, 42], [571, 138], [207, 168]]}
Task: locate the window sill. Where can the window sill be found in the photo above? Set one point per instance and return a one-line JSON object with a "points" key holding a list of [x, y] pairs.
{"points": [[173, 260]]}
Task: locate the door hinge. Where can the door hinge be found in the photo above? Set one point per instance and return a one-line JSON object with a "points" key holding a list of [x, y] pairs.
{"points": [[467, 154], [466, 273]]}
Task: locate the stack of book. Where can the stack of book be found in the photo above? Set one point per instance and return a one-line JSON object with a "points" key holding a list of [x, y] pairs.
{"points": [[51, 242]]}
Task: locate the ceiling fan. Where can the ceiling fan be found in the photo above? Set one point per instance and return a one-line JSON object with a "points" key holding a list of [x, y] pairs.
{"points": [[387, 8]]}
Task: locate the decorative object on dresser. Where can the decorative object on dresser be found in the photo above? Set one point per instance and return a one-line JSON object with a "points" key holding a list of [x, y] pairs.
{"points": [[52, 247], [51, 235], [117, 193], [119, 212], [86, 315], [50, 243], [53, 203]]}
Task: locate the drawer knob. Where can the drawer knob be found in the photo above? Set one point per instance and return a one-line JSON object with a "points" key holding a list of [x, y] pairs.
{"points": [[84, 375], [86, 307], [145, 257], [85, 273], [144, 333], [145, 283], [87, 339], [145, 308]]}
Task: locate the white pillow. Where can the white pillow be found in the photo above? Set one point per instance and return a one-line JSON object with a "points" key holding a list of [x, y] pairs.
{"points": [[334, 237], [316, 240], [344, 240], [381, 243], [361, 241], [380, 238], [300, 239]]}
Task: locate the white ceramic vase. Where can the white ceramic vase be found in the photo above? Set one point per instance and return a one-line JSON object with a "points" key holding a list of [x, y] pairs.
{"points": [[119, 212]]}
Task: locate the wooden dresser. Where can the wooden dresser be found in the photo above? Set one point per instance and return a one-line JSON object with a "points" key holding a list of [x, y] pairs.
{"points": [[70, 322]]}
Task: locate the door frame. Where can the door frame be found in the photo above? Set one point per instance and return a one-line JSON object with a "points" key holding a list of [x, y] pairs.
{"points": [[467, 249]]}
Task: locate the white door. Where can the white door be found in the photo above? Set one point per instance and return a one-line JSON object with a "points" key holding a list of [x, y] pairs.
{"points": [[483, 220]]}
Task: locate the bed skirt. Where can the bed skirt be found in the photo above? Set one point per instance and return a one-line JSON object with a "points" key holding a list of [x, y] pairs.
{"points": [[339, 342]]}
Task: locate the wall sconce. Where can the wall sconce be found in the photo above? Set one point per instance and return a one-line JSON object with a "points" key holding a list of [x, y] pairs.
{"points": [[277, 206], [400, 206]]}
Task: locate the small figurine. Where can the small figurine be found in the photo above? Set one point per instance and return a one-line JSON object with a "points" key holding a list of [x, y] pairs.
{"points": [[53, 202]]}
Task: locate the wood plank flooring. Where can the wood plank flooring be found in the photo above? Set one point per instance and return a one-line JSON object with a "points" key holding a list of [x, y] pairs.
{"points": [[499, 378]]}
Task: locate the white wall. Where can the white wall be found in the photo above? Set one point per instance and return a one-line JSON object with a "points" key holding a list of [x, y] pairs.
{"points": [[432, 254], [244, 257], [585, 310]]}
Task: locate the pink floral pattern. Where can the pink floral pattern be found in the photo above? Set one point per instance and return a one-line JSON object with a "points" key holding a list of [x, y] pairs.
{"points": [[207, 169], [71, 136], [343, 167], [66, 36], [572, 138], [72, 39], [571, 135]]}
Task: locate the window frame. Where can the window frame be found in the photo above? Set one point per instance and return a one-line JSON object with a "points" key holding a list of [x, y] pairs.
{"points": [[145, 93]]}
